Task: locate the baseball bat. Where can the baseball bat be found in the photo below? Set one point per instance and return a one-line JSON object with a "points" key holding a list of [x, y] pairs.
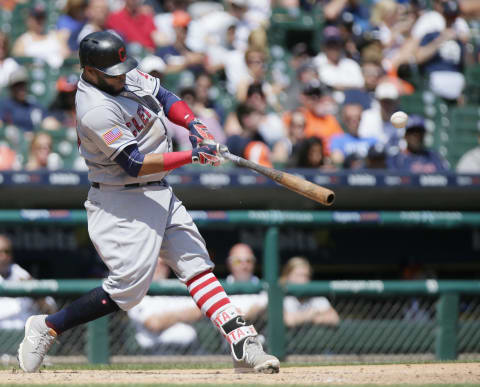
{"points": [[294, 183]]}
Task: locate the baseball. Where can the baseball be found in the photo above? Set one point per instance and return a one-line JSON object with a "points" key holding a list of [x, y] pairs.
{"points": [[399, 119]]}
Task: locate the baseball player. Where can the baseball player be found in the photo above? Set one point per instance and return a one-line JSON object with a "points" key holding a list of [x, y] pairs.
{"points": [[133, 215]]}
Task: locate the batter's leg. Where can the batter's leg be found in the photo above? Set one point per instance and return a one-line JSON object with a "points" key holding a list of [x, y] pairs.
{"points": [[184, 250]]}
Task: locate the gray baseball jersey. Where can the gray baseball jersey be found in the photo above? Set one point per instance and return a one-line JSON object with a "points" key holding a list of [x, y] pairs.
{"points": [[131, 227], [106, 124]]}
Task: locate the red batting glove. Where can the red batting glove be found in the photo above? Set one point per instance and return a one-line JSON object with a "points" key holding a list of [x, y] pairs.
{"points": [[198, 133], [207, 154]]}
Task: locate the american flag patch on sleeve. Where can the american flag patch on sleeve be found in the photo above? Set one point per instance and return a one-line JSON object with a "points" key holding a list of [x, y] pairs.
{"points": [[112, 135]]}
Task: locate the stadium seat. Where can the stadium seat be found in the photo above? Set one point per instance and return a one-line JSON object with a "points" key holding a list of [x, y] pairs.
{"points": [[463, 131], [286, 27]]}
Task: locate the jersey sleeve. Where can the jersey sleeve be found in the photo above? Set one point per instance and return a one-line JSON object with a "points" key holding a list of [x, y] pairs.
{"points": [[106, 128], [145, 82]]}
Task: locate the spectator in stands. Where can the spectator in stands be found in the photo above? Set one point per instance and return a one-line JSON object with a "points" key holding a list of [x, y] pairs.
{"points": [[336, 70], [304, 73], [163, 323], [241, 264], [319, 110], [429, 22], [311, 154], [297, 311], [349, 142], [203, 88], [164, 20], [40, 155], [7, 64], [135, 25], [96, 13], [372, 73], [416, 158], [393, 23], [441, 56], [178, 56], [61, 113], [376, 157], [17, 109], [255, 60], [287, 146], [8, 158], [72, 21], [356, 8], [211, 29], [154, 66], [249, 143], [470, 161], [375, 121], [16, 310], [204, 114], [37, 42]]}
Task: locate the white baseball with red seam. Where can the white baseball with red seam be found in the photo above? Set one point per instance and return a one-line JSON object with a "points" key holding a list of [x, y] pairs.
{"points": [[399, 119]]}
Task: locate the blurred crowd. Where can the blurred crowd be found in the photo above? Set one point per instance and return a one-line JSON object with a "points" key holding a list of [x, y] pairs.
{"points": [[319, 101]]}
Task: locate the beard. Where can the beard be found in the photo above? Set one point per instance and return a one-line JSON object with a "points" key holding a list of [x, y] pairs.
{"points": [[107, 88]]}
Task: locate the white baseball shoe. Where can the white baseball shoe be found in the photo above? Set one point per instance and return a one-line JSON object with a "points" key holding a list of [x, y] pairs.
{"points": [[36, 343], [254, 358]]}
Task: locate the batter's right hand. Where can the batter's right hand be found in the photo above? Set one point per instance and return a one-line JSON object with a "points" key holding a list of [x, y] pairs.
{"points": [[207, 154]]}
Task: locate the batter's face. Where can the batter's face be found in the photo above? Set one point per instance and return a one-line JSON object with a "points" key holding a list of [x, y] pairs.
{"points": [[109, 84]]}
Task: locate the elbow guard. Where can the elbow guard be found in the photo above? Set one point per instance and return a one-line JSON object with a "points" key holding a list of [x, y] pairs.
{"points": [[131, 160]]}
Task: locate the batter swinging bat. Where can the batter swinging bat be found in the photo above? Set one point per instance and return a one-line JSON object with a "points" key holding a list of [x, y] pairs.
{"points": [[294, 183]]}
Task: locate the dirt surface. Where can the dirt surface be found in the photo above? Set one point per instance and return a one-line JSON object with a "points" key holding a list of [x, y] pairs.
{"points": [[437, 373]]}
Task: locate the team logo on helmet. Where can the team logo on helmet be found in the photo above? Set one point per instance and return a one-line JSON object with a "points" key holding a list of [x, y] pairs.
{"points": [[122, 54]]}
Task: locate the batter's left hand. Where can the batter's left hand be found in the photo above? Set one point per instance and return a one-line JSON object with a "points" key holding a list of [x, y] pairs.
{"points": [[198, 133]]}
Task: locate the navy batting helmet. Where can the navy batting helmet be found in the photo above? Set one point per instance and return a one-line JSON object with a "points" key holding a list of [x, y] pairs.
{"points": [[105, 52]]}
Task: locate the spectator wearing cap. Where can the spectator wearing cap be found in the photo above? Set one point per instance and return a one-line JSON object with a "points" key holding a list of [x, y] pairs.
{"points": [[334, 69], [304, 74], [416, 158], [37, 43], [319, 110], [7, 64], [375, 121], [153, 65], [72, 20], [96, 13], [18, 109], [441, 56], [134, 23], [178, 56], [61, 113], [349, 142], [249, 144], [470, 161]]}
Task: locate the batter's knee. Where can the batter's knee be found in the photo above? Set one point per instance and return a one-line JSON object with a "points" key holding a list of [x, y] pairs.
{"points": [[126, 297]]}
